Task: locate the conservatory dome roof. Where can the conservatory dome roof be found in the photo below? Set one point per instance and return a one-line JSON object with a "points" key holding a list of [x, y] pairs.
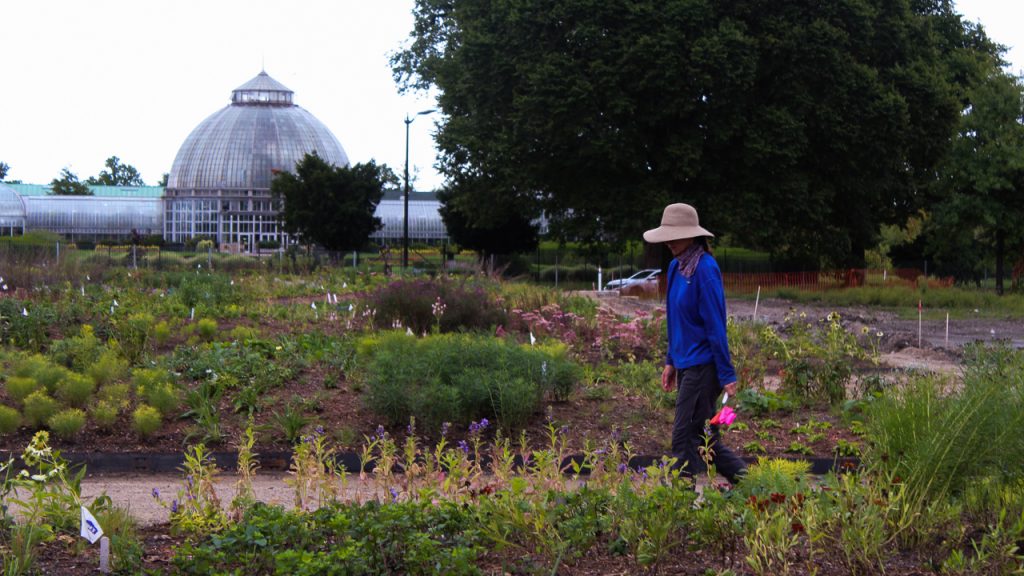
{"points": [[241, 146]]}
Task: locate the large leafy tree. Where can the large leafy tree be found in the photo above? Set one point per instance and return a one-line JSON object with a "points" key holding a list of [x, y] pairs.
{"points": [[4, 168], [117, 174], [983, 213], [500, 229], [68, 185], [798, 126], [329, 205]]}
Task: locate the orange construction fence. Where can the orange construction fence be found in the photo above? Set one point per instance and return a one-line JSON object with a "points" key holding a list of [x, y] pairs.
{"points": [[826, 280]]}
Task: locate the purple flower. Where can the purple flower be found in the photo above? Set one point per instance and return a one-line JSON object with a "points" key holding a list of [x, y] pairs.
{"points": [[394, 495], [463, 446], [174, 506], [189, 480], [444, 428], [623, 468], [319, 430], [156, 493], [484, 424], [563, 430], [381, 433]]}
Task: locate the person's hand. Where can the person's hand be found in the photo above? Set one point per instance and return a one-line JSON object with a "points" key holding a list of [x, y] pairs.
{"points": [[730, 389], [668, 378]]}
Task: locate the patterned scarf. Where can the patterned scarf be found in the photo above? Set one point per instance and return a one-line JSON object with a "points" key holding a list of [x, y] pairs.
{"points": [[688, 260]]}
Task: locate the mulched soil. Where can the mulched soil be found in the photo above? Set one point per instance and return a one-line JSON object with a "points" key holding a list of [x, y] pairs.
{"points": [[67, 556]]}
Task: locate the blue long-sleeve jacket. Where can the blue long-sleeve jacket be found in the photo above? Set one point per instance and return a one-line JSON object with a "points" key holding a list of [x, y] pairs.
{"points": [[695, 315]]}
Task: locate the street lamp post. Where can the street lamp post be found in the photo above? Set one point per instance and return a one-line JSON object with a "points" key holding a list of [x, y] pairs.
{"points": [[405, 203]]}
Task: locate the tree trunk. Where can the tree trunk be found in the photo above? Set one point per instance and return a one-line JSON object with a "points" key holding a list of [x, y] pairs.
{"points": [[1000, 250]]}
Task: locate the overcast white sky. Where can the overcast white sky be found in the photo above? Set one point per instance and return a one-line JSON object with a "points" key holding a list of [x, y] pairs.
{"points": [[82, 81]]}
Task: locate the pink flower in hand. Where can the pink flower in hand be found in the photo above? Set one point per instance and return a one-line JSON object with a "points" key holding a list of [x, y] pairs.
{"points": [[725, 417]]}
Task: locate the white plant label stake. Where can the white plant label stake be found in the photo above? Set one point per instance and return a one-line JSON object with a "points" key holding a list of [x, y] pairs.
{"points": [[757, 301], [91, 529]]}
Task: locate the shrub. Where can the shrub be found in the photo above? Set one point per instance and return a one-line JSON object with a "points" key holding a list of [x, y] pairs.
{"points": [[114, 394], [163, 396], [131, 335], [46, 373], [10, 419], [79, 351], [75, 389], [19, 387], [28, 366], [108, 368], [105, 413], [412, 303], [207, 329], [161, 332], [205, 290], [146, 420], [775, 476], [243, 333], [38, 408], [459, 378], [68, 423]]}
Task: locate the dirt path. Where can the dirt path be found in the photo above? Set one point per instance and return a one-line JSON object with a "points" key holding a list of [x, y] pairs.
{"points": [[898, 333], [136, 492]]}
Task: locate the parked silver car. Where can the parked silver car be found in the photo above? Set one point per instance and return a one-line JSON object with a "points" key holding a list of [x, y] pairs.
{"points": [[648, 275]]}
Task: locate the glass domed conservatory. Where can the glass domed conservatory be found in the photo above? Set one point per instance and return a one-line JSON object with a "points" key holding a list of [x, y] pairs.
{"points": [[219, 184], [12, 212]]}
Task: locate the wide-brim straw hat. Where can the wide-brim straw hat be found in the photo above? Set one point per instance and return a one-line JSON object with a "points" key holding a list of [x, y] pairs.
{"points": [[677, 222]]}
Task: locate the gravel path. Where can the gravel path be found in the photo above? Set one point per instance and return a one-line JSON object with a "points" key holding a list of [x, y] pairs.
{"points": [[135, 492]]}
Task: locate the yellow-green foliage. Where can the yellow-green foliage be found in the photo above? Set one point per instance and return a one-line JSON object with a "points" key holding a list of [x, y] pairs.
{"points": [[775, 476], [207, 328], [38, 408], [104, 414], [67, 423], [243, 333], [75, 389], [44, 372], [10, 419], [146, 420], [157, 388], [79, 351], [115, 394], [161, 332], [108, 368], [19, 387]]}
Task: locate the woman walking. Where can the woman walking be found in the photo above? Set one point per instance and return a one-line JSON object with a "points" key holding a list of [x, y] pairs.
{"points": [[698, 364]]}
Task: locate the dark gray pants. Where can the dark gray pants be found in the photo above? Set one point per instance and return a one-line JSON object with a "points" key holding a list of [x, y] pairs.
{"points": [[697, 389]]}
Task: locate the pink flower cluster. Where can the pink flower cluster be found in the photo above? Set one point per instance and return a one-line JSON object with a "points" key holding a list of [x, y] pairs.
{"points": [[606, 337]]}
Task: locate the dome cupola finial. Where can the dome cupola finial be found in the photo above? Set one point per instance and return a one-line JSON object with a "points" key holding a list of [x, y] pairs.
{"points": [[262, 91]]}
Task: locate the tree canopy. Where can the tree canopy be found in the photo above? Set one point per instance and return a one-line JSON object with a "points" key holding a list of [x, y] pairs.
{"points": [[982, 212], [798, 127], [117, 174], [329, 205], [68, 185], [4, 168]]}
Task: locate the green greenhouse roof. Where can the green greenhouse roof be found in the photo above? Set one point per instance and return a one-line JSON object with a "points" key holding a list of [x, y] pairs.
{"points": [[99, 191]]}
